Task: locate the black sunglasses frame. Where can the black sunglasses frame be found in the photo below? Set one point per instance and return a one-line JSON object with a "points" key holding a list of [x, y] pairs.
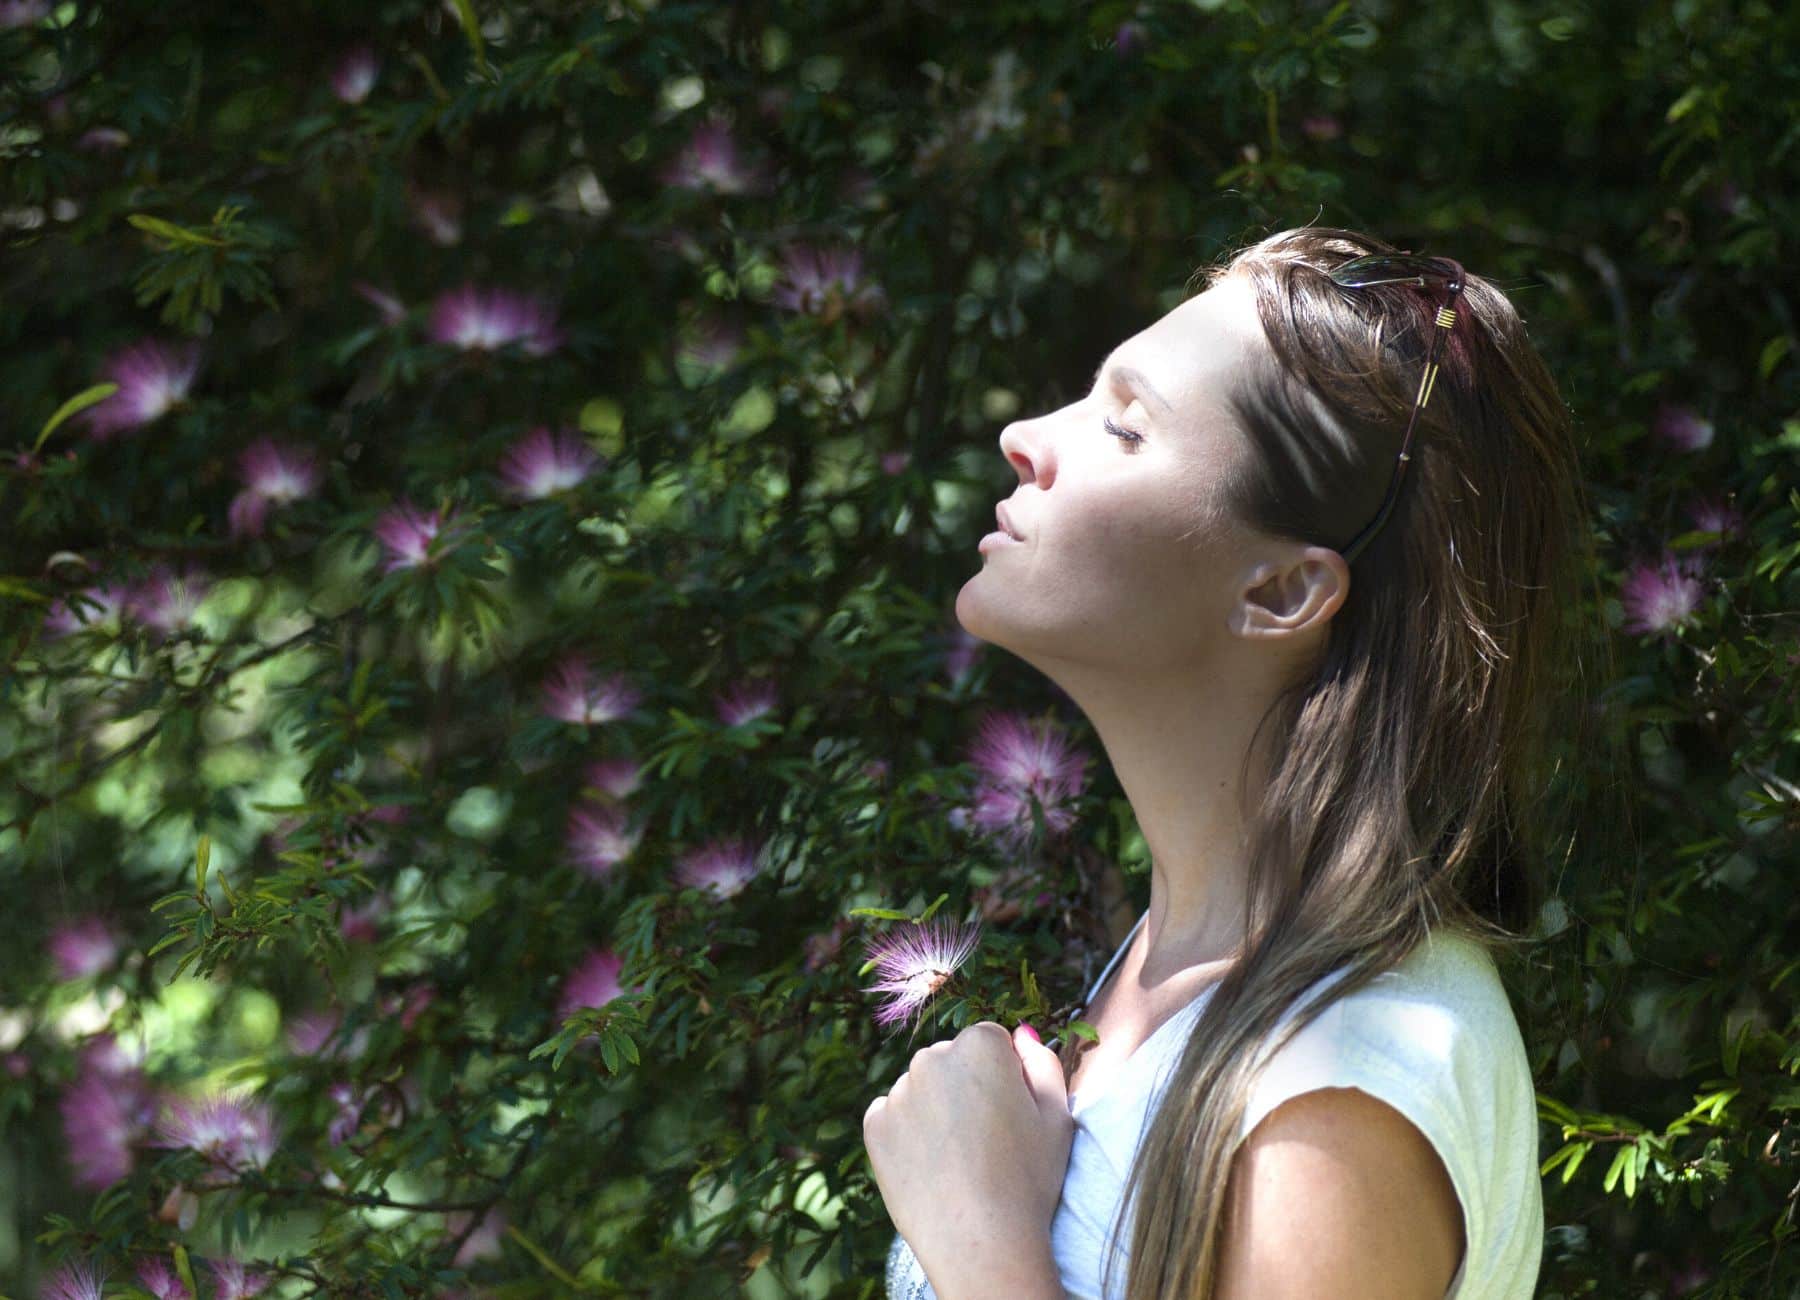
{"points": [[1403, 268]]}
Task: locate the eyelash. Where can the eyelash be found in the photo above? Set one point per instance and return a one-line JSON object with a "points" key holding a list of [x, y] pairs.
{"points": [[1125, 435]]}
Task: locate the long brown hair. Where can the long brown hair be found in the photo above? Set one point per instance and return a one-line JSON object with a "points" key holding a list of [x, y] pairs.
{"points": [[1409, 765]]}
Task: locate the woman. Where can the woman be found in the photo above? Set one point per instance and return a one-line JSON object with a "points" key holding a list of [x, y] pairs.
{"points": [[1303, 556]]}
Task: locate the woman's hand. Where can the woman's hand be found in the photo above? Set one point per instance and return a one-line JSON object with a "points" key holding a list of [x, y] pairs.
{"points": [[969, 1150]]}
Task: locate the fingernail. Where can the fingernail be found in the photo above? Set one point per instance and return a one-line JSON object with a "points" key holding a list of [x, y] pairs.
{"points": [[1034, 1033]]}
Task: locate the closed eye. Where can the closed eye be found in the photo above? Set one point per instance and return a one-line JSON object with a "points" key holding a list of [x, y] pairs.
{"points": [[1126, 436]]}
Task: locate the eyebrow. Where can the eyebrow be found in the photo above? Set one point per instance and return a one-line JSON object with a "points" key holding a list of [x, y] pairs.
{"points": [[1134, 379]]}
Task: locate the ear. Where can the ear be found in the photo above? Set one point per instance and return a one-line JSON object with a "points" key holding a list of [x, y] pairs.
{"points": [[1293, 598]]}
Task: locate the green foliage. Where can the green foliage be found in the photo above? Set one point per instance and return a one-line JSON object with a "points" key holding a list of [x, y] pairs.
{"points": [[331, 782]]}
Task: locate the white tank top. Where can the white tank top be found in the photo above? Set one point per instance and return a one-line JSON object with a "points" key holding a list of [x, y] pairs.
{"points": [[1435, 1038]]}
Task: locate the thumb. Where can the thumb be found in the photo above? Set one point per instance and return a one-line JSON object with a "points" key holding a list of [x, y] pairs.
{"points": [[1043, 1069]]}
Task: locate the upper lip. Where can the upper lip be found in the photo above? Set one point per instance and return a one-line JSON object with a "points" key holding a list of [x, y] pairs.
{"points": [[1006, 522]]}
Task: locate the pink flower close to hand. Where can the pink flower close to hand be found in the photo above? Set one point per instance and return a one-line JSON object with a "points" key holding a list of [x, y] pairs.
{"points": [[913, 962]]}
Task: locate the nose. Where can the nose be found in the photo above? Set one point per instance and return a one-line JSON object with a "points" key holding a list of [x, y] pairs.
{"points": [[1020, 451]]}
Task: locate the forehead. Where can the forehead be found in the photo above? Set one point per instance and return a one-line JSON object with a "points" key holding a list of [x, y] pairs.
{"points": [[1195, 352]]}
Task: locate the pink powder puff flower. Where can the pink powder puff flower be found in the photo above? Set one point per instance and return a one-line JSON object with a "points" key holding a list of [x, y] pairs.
{"points": [[822, 947], [1660, 595], [273, 475], [438, 215], [542, 464], [1129, 40], [168, 599], [612, 778], [483, 1243], [76, 1280], [22, 13], [593, 983], [914, 961], [1715, 514], [599, 839], [354, 76], [315, 1033], [153, 378], [103, 1118], [103, 139], [746, 700], [1681, 427], [68, 615], [408, 532], [721, 868], [392, 310], [570, 696], [231, 1282], [82, 947], [234, 1134], [825, 283], [482, 320], [711, 346], [350, 1104], [710, 160], [1015, 760], [162, 1281]]}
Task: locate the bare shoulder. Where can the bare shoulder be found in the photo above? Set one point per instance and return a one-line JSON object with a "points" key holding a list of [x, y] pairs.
{"points": [[1336, 1194]]}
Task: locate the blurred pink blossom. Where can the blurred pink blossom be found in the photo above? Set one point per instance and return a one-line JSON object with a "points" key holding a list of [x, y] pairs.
{"points": [[231, 1282], [593, 983], [745, 701], [1681, 427], [153, 378], [571, 696], [354, 76], [408, 532], [613, 778], [485, 319], [1660, 595], [542, 464], [711, 160], [22, 13], [1015, 760], [392, 310], [76, 1280], [234, 1134], [168, 598], [273, 474], [83, 946], [827, 283], [483, 1243], [599, 839], [721, 868], [161, 1280]]}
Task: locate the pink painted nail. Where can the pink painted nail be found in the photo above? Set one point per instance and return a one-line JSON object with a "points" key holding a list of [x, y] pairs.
{"points": [[1034, 1033]]}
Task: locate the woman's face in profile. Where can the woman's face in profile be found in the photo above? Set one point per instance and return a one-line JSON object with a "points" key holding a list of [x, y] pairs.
{"points": [[1128, 556]]}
